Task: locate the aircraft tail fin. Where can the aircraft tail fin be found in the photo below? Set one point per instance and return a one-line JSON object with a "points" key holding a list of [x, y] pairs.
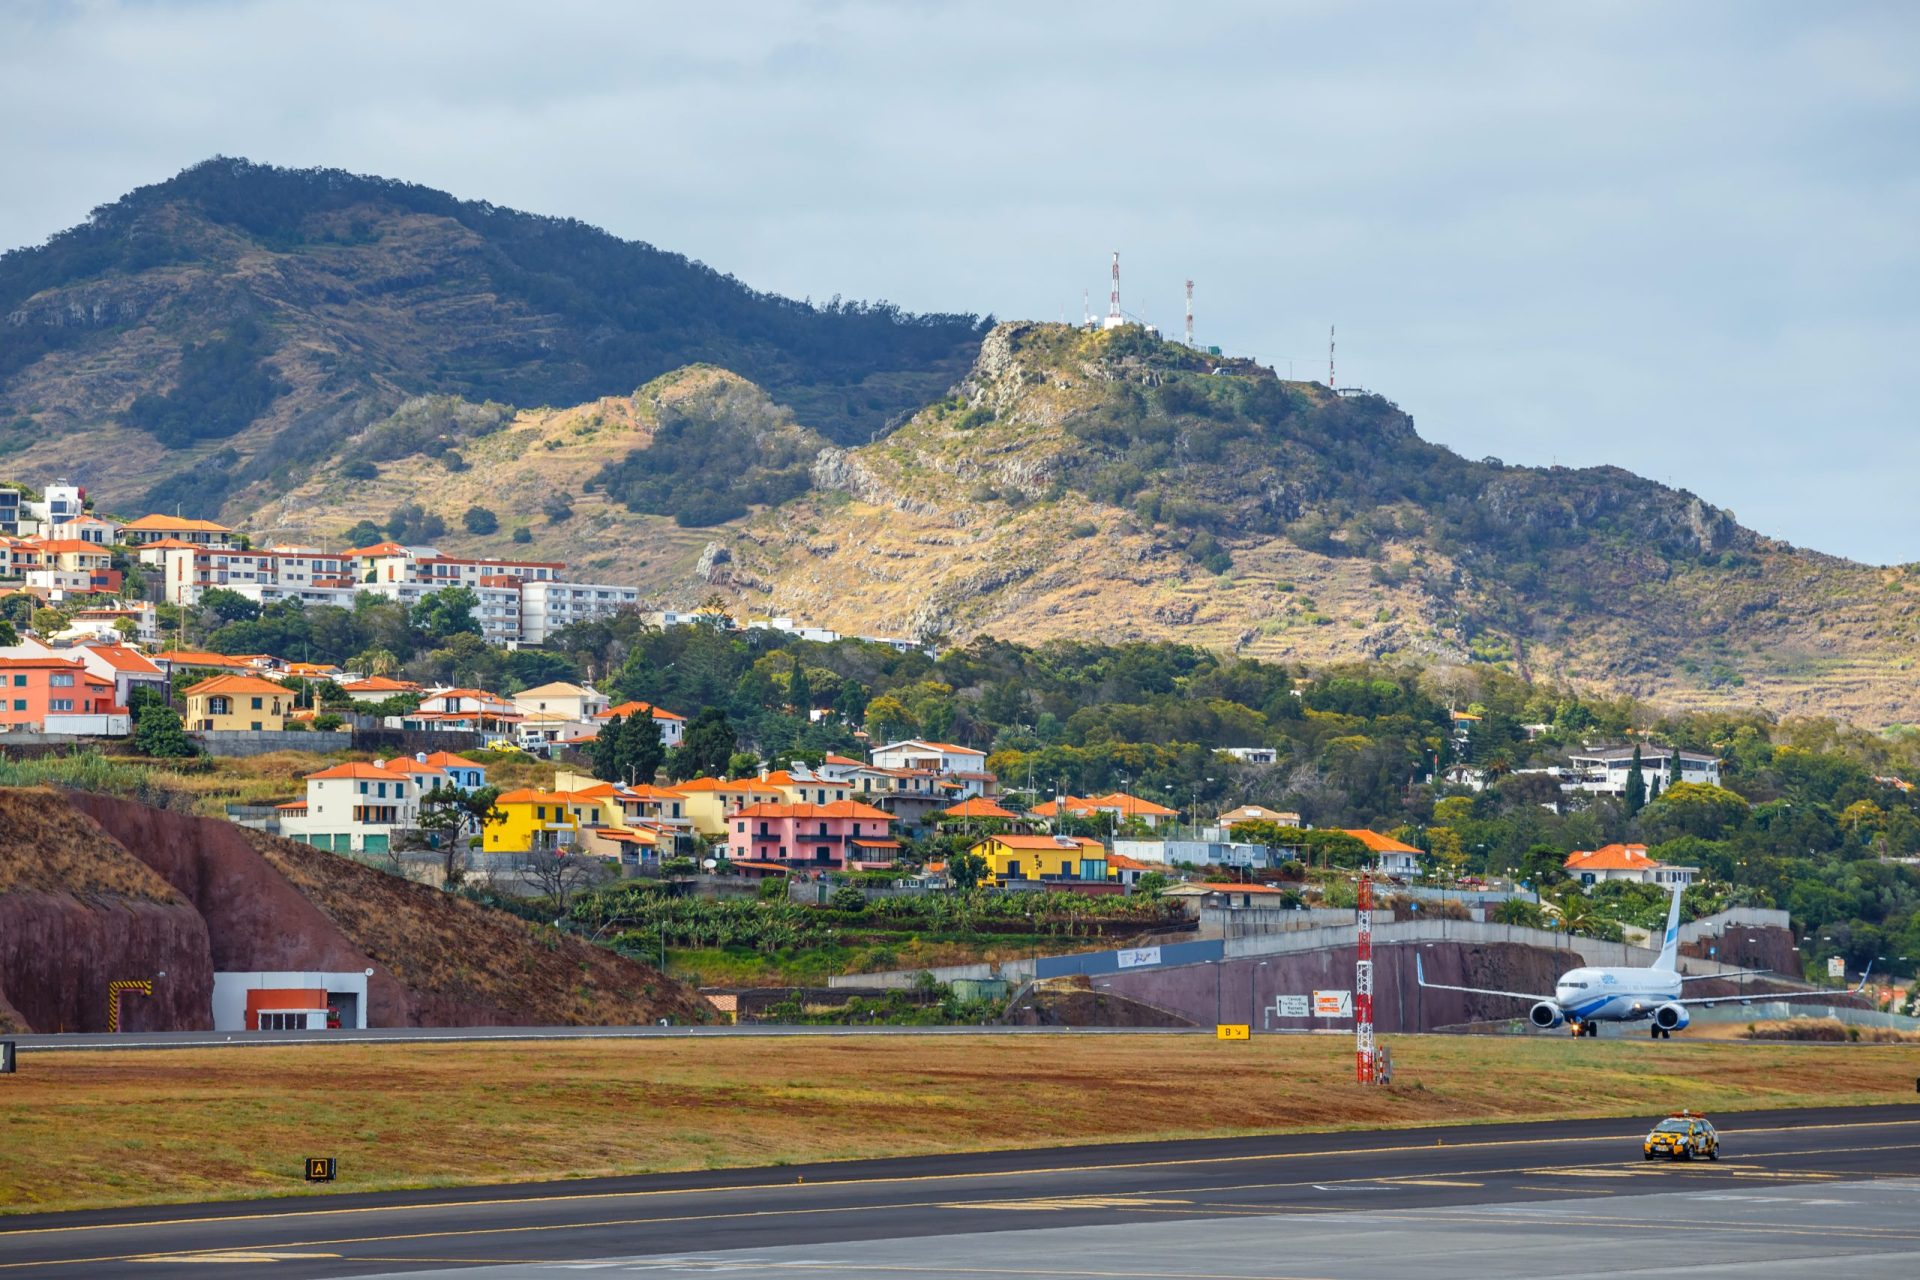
{"points": [[1670, 945]]}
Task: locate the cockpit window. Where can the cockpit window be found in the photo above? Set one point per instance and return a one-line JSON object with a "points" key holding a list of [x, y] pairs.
{"points": [[1576, 986]]}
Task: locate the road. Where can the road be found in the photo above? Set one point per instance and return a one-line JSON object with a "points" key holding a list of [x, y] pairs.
{"points": [[1559, 1199]]}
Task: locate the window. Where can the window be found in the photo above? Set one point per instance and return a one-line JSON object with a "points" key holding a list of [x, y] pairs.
{"points": [[19, 704], [61, 680], [60, 704], [19, 682]]}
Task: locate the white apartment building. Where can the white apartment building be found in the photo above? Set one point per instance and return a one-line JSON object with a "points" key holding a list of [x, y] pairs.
{"points": [[547, 606], [1604, 770]]}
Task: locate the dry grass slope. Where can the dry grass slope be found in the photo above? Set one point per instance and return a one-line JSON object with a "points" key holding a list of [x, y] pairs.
{"points": [[47, 847], [82, 1128]]}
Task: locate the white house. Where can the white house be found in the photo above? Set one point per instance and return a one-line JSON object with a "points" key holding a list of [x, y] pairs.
{"points": [[1625, 862], [560, 699], [357, 807], [1252, 755], [673, 728], [1604, 770], [938, 757]]}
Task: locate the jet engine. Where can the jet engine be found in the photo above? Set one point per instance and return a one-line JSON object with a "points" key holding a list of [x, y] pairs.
{"points": [[1671, 1017], [1547, 1015]]}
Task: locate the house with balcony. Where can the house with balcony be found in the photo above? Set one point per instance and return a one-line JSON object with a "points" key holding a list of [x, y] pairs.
{"points": [[834, 836], [802, 785], [1118, 804], [233, 703], [673, 727], [379, 688], [158, 528], [562, 700], [1603, 771], [358, 807], [1052, 861], [533, 821], [710, 803], [1390, 857]]}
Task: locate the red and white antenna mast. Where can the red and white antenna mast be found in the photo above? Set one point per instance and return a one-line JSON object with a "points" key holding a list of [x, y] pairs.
{"points": [[1329, 357], [1114, 318], [1363, 981], [1189, 313]]}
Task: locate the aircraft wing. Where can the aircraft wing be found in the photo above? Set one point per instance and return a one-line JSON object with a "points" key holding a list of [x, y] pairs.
{"points": [[1731, 973], [1420, 975], [1764, 997]]}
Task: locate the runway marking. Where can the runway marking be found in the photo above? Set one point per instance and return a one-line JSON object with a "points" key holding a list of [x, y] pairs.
{"points": [[321, 1210], [1431, 1182], [1064, 1202], [229, 1255]]}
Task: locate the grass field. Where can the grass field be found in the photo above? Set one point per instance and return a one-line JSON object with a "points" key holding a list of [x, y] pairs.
{"points": [[81, 1129]]}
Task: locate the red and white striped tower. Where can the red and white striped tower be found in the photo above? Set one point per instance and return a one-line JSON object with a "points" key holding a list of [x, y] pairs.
{"points": [[1189, 313], [1114, 318], [1363, 982]]}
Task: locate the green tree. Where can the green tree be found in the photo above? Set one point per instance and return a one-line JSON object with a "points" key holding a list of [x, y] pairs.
{"points": [[707, 746], [225, 606], [1636, 797], [888, 718], [479, 520], [452, 813], [447, 612], [628, 749], [158, 733], [48, 621], [966, 870], [743, 764], [8, 636], [799, 691], [364, 534]]}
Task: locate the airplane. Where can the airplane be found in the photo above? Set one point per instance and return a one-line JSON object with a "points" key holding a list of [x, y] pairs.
{"points": [[1583, 998]]}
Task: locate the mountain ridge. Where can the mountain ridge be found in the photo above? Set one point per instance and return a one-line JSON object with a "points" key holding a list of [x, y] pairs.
{"points": [[860, 469]]}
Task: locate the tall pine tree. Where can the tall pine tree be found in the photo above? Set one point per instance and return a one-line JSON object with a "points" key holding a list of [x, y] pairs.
{"points": [[1636, 785]]}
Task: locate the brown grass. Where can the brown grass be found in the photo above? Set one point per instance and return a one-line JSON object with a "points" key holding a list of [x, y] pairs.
{"points": [[103, 1128], [46, 847]]}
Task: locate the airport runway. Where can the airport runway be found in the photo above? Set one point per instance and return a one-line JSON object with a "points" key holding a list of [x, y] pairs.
{"points": [[1837, 1189]]}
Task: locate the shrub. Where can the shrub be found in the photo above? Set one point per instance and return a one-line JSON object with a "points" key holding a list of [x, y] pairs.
{"points": [[479, 520], [359, 469], [523, 534]]}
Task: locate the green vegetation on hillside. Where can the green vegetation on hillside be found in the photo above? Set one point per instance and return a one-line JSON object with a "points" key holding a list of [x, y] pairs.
{"points": [[223, 385]]}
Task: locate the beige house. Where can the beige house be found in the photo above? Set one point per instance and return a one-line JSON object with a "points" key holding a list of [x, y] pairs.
{"points": [[711, 801], [227, 703], [560, 701]]}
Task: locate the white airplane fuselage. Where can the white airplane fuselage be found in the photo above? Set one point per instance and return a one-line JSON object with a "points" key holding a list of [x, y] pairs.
{"points": [[1614, 995]]}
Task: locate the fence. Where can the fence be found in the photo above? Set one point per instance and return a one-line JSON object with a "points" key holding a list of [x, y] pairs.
{"points": [[260, 742]]}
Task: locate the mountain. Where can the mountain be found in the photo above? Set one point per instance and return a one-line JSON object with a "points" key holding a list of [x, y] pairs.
{"points": [[302, 351], [205, 341]]}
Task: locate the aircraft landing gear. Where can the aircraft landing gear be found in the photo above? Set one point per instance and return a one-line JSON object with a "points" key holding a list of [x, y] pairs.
{"points": [[1657, 1034], [1590, 1029]]}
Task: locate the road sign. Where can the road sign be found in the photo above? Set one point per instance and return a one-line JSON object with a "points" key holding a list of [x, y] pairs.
{"points": [[1836, 966], [1233, 1031], [320, 1169], [1293, 1006], [1333, 1004], [6, 1057], [1138, 956]]}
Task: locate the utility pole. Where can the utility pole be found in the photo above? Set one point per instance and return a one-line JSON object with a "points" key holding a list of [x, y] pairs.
{"points": [[1363, 982]]}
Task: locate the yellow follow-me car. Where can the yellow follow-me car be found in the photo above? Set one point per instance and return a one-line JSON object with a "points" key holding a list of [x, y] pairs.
{"points": [[1682, 1136]]}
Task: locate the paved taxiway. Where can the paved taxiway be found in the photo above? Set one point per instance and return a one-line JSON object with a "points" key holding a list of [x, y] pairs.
{"points": [[1563, 1199]]}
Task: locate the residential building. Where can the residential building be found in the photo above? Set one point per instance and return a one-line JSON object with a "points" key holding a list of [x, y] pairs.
{"points": [[1390, 857], [1625, 862], [467, 775], [101, 622], [539, 821], [1204, 853], [75, 565], [1230, 896], [157, 528], [58, 503], [57, 695], [943, 758], [546, 607], [88, 528], [1223, 825], [673, 728], [979, 809], [1253, 755], [358, 807], [830, 836], [569, 702], [465, 710], [801, 785], [1122, 807], [378, 688], [226, 704], [128, 669], [710, 803], [1604, 770], [12, 511], [1128, 871], [1012, 859]]}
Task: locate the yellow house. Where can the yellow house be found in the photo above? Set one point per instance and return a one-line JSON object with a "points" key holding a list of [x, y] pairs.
{"points": [[806, 787], [237, 702], [542, 820], [1064, 859], [709, 802]]}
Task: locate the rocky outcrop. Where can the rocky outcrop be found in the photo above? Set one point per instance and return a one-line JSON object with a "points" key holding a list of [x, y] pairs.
{"points": [[95, 889]]}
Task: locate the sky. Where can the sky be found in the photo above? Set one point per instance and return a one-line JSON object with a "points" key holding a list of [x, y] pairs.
{"points": [[1682, 239]]}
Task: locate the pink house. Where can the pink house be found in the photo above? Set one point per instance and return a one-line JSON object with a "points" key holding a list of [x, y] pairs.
{"points": [[826, 837]]}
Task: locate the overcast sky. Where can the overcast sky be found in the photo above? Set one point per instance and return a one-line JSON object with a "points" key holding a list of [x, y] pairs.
{"points": [[1683, 238]]}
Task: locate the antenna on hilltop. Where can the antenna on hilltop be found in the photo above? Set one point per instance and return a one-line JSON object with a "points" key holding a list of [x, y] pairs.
{"points": [[1189, 313], [1114, 319], [1086, 309], [1329, 357]]}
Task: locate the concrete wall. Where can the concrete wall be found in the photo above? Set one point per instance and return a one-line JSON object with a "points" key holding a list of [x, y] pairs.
{"points": [[250, 742]]}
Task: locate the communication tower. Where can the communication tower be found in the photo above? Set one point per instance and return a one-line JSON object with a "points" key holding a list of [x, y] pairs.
{"points": [[1329, 357], [1114, 318], [1189, 313], [1363, 982]]}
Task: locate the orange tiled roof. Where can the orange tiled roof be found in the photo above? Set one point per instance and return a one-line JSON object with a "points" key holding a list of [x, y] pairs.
{"points": [[1378, 843], [162, 524], [236, 684], [1611, 857], [837, 809], [977, 807], [1048, 843], [354, 769]]}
